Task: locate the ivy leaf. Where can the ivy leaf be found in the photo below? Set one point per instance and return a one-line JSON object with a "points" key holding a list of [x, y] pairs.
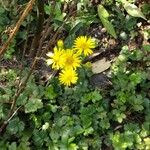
{"points": [[133, 10], [33, 105], [103, 15]]}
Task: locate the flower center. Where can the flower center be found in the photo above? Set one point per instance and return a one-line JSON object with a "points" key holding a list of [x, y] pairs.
{"points": [[83, 45], [69, 60], [69, 78]]}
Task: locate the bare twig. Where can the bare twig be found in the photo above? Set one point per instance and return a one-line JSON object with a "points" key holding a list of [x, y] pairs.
{"points": [[22, 85], [45, 34], [26, 42], [39, 28], [17, 26]]}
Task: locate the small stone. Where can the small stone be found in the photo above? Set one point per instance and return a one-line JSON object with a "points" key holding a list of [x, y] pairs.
{"points": [[100, 81]]}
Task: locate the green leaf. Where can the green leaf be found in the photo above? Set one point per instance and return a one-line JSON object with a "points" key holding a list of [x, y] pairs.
{"points": [[13, 146], [69, 40], [58, 13], [88, 131], [76, 28], [121, 117], [92, 96], [24, 146], [48, 9], [78, 129], [15, 126], [103, 12], [54, 134], [135, 77], [103, 15], [22, 99], [24, 143], [40, 137], [133, 10], [50, 93], [138, 107], [73, 146], [105, 123], [96, 96], [87, 115], [146, 48], [33, 105]]}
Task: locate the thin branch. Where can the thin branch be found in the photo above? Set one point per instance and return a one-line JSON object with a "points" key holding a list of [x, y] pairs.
{"points": [[39, 28], [23, 83], [17, 26]]}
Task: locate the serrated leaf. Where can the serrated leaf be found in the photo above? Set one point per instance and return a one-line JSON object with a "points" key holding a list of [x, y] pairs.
{"points": [[15, 125], [103, 15], [24, 146], [33, 105], [88, 131], [54, 135], [73, 146], [13, 146], [133, 10], [92, 96], [22, 99], [39, 137], [50, 92], [146, 48], [24, 143]]}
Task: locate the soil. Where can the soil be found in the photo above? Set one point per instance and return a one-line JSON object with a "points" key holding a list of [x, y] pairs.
{"points": [[108, 48]]}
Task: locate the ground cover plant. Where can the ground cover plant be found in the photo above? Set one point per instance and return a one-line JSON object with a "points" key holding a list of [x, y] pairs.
{"points": [[74, 75]]}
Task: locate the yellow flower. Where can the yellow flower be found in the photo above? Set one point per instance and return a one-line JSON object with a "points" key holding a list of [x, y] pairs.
{"points": [[56, 58], [68, 77], [84, 45], [60, 44], [71, 60]]}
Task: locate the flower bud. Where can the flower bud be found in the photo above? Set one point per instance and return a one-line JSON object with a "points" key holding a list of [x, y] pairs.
{"points": [[60, 44]]}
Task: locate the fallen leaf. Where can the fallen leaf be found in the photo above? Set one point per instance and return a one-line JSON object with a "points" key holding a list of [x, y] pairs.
{"points": [[133, 10], [100, 66]]}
